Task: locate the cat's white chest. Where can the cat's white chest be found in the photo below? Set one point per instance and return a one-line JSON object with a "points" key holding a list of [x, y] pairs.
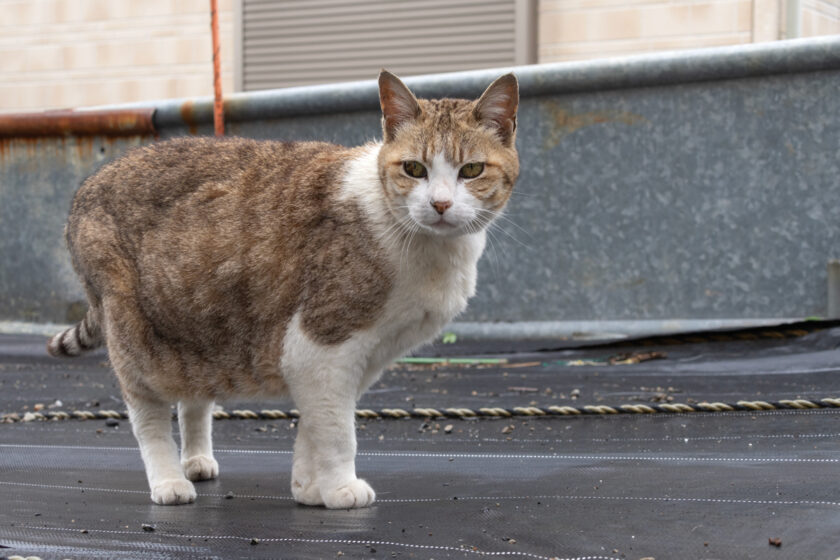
{"points": [[429, 290], [437, 294]]}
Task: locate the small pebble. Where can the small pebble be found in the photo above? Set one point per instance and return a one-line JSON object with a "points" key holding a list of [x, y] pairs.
{"points": [[148, 528], [255, 541], [229, 496], [112, 422]]}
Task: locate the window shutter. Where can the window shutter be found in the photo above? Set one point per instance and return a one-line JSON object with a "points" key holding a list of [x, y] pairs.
{"points": [[305, 42]]}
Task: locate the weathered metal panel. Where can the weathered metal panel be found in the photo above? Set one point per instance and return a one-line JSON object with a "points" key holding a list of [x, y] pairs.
{"points": [[698, 185], [38, 177]]}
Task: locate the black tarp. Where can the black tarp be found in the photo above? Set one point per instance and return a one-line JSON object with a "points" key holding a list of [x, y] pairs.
{"points": [[663, 485]]}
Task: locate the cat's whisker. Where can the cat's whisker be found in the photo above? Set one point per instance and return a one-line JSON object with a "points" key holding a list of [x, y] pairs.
{"points": [[493, 222], [408, 228], [478, 224], [519, 193], [498, 227], [393, 235], [501, 215], [406, 253], [494, 252]]}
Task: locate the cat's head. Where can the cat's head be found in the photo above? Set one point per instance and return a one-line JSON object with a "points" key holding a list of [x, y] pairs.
{"points": [[448, 166]]}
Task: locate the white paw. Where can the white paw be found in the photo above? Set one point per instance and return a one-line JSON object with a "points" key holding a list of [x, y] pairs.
{"points": [[200, 467], [172, 492], [305, 492], [355, 494]]}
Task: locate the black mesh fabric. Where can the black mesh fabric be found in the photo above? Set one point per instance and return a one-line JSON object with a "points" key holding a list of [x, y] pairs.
{"points": [[598, 486]]}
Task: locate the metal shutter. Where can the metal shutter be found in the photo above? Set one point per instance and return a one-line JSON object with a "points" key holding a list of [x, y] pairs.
{"points": [[284, 43]]}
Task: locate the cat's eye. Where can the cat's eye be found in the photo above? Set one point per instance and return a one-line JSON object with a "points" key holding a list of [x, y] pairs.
{"points": [[471, 170], [414, 169]]}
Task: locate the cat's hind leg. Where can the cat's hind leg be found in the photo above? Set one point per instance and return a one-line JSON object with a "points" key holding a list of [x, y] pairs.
{"points": [[151, 421], [195, 420]]}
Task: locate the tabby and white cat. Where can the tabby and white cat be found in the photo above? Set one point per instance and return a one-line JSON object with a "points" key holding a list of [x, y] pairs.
{"points": [[229, 267]]}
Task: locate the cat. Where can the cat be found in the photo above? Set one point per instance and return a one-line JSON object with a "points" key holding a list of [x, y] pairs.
{"points": [[222, 267]]}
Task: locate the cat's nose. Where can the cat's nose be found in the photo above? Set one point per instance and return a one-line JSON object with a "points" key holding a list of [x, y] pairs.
{"points": [[441, 205]]}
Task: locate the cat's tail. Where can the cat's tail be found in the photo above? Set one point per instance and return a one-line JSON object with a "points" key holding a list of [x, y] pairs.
{"points": [[77, 340]]}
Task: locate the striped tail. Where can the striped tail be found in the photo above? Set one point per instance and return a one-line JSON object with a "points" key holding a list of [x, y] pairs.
{"points": [[76, 340]]}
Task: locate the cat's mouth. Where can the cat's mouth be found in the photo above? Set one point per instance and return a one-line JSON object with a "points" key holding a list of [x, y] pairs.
{"points": [[438, 227], [441, 226]]}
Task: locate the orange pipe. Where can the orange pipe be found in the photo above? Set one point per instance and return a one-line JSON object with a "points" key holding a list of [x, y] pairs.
{"points": [[116, 122], [218, 106]]}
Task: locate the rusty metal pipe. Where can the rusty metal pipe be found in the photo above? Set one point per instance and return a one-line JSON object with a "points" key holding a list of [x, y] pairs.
{"points": [[218, 106], [117, 122]]}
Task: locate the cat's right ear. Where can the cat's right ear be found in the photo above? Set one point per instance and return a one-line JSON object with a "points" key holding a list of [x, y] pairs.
{"points": [[399, 105], [497, 107]]}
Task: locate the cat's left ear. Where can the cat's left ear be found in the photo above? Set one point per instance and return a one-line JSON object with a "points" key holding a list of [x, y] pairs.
{"points": [[399, 105], [496, 108]]}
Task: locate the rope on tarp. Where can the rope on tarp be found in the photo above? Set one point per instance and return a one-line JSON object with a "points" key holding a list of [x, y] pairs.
{"points": [[461, 412]]}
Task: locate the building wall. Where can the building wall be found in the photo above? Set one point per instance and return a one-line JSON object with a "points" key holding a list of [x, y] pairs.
{"points": [[820, 17], [71, 53], [583, 29]]}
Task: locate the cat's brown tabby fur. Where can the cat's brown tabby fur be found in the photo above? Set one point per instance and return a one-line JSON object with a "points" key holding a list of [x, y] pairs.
{"points": [[233, 267]]}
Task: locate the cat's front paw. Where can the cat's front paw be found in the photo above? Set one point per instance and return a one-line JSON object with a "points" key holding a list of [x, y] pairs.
{"points": [[355, 494], [200, 467], [305, 492], [173, 492]]}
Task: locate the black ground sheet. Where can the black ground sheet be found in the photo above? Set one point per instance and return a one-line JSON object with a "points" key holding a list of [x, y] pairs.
{"points": [[744, 484]]}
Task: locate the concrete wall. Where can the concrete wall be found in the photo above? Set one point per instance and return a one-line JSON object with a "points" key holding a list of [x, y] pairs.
{"points": [[684, 186]]}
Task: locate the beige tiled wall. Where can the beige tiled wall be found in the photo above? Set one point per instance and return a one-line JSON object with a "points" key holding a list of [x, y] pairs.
{"points": [[579, 29], [71, 53], [582, 29], [820, 17]]}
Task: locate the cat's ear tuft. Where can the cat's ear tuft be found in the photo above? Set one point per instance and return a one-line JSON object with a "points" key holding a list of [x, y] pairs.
{"points": [[496, 108], [399, 105]]}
